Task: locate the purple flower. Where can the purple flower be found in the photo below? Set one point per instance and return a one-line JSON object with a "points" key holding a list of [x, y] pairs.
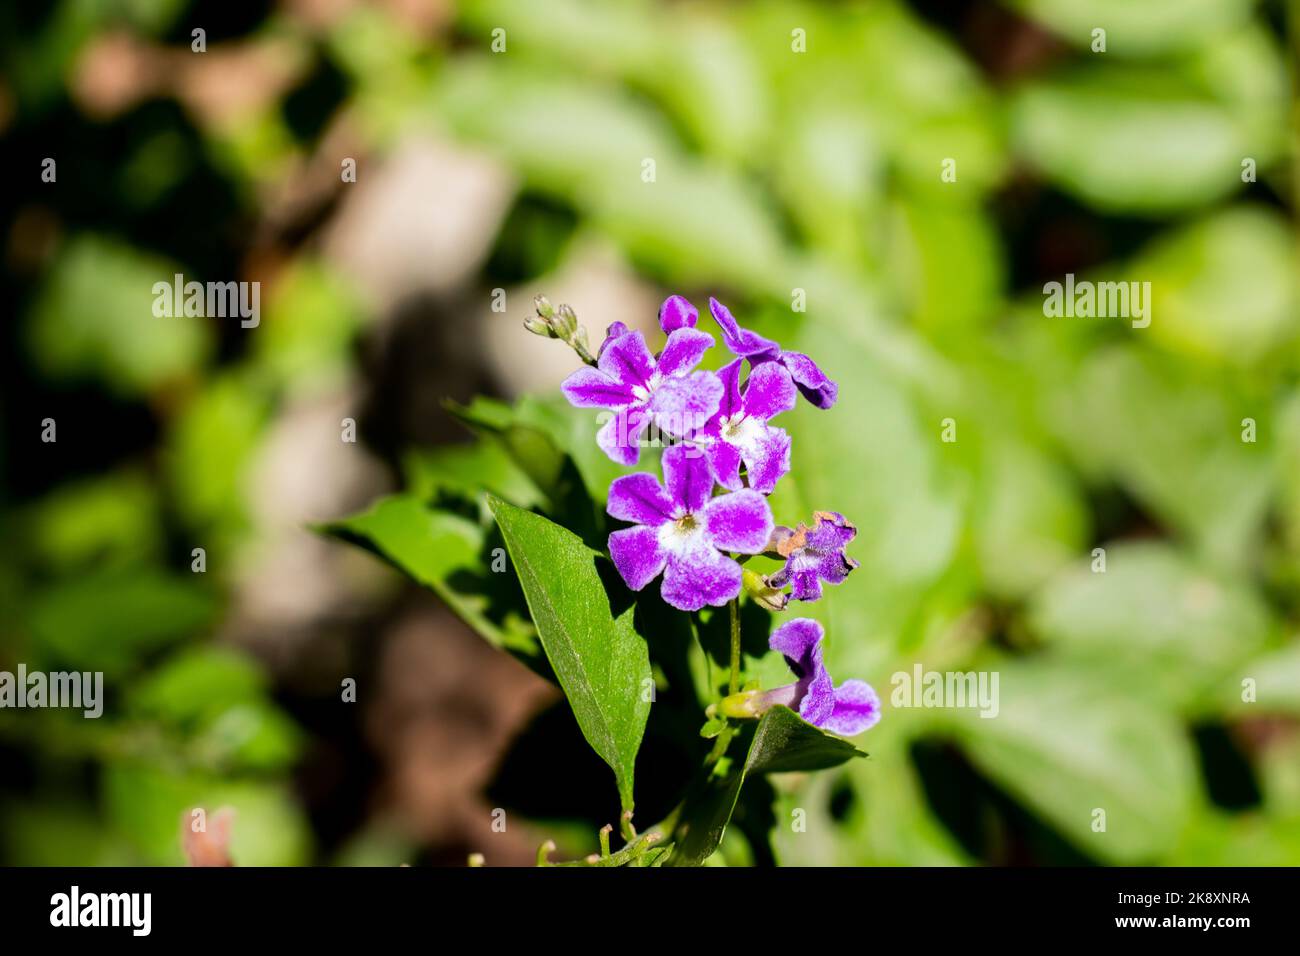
{"points": [[681, 532], [739, 431], [846, 710], [642, 389], [803, 371], [813, 555]]}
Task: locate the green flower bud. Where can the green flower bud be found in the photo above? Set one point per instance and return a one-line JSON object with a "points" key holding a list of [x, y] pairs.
{"points": [[763, 593], [537, 326], [746, 705], [565, 322]]}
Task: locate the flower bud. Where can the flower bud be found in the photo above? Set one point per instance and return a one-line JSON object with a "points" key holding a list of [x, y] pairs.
{"points": [[746, 705], [535, 325], [543, 306], [565, 322], [763, 593]]}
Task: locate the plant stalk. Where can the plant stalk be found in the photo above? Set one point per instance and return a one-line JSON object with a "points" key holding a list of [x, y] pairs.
{"points": [[734, 608]]}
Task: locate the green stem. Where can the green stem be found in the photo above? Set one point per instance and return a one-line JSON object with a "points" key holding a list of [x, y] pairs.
{"points": [[720, 745], [734, 684]]}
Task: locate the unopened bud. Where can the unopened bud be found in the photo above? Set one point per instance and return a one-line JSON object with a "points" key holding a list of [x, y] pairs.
{"points": [[565, 322], [535, 325], [746, 705], [543, 306], [763, 593]]}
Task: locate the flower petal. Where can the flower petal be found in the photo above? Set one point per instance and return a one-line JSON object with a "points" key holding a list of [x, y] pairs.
{"points": [[769, 391], [613, 331], [818, 704], [767, 457], [831, 532], [729, 376], [807, 586], [683, 351], [686, 477], [627, 360], [856, 708], [698, 577], [620, 437], [740, 521], [810, 379], [798, 640], [677, 313], [638, 555], [591, 388], [741, 341], [682, 406], [724, 462], [833, 568], [641, 499]]}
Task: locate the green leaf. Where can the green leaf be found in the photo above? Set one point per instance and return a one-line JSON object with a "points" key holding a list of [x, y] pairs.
{"points": [[1224, 287], [109, 620], [785, 742], [1066, 747], [93, 320], [198, 683], [1198, 478], [1277, 684], [1029, 520], [209, 448], [782, 742], [108, 521], [149, 805], [447, 554], [468, 471], [598, 657], [537, 437], [311, 317], [704, 820], [527, 444], [1153, 139], [1221, 839], [1151, 26], [1156, 618]]}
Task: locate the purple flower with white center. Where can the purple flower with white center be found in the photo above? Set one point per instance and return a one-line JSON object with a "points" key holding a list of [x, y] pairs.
{"points": [[813, 555], [642, 389], [681, 532], [846, 710], [739, 431], [811, 381]]}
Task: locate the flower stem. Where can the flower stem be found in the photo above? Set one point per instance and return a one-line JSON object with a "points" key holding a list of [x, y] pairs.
{"points": [[734, 685]]}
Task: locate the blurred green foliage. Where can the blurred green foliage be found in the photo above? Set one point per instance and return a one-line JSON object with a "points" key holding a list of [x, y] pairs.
{"points": [[775, 171]]}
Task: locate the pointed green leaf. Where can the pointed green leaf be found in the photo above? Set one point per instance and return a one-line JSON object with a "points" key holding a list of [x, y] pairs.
{"points": [[446, 553], [598, 657], [782, 742]]}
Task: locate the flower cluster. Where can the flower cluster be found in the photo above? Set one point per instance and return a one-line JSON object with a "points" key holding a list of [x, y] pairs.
{"points": [[679, 529]]}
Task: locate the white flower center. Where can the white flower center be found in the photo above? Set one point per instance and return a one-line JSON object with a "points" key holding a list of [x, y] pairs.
{"points": [[682, 533], [741, 430], [642, 393]]}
